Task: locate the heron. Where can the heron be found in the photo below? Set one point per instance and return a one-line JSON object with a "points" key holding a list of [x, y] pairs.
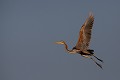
{"points": [[82, 45]]}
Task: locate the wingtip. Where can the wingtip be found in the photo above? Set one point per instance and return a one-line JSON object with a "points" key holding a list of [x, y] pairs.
{"points": [[91, 14]]}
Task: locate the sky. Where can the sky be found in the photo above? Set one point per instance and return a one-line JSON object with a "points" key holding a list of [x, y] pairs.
{"points": [[29, 28]]}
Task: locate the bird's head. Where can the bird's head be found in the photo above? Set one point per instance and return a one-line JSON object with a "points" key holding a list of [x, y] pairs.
{"points": [[60, 42]]}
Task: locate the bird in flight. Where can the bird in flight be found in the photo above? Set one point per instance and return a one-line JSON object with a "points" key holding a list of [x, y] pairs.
{"points": [[82, 45]]}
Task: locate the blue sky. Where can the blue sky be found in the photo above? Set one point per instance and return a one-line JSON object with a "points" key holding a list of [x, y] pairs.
{"points": [[29, 28]]}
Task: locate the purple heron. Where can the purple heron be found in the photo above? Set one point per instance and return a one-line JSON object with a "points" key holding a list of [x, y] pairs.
{"points": [[82, 46]]}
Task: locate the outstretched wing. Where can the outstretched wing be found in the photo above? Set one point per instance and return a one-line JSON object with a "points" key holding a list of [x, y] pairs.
{"points": [[85, 34]]}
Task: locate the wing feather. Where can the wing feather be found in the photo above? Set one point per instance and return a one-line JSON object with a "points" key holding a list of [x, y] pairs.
{"points": [[85, 34]]}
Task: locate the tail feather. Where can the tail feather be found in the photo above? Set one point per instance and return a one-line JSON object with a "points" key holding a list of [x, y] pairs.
{"points": [[91, 51]]}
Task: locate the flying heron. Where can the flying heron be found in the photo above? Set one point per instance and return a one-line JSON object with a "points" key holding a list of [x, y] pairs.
{"points": [[82, 46]]}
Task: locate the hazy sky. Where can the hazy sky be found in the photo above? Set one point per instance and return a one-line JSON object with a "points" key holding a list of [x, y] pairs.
{"points": [[29, 28]]}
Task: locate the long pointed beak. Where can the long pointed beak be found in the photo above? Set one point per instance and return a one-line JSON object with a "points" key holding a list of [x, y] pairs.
{"points": [[57, 42]]}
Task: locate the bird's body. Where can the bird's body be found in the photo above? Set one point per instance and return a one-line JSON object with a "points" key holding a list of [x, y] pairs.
{"points": [[82, 46]]}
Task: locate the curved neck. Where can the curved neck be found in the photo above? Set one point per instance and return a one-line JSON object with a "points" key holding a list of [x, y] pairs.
{"points": [[66, 47], [70, 51]]}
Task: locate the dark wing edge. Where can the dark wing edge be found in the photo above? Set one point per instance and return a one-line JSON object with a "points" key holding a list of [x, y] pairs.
{"points": [[85, 33]]}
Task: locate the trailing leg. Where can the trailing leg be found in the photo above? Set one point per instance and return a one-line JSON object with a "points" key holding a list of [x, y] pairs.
{"points": [[98, 58], [97, 63]]}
